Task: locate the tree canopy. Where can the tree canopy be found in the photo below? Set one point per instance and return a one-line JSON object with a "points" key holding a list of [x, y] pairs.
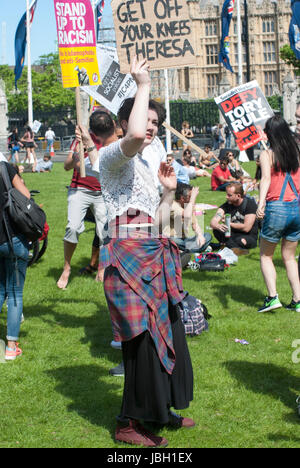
{"points": [[47, 90], [289, 57]]}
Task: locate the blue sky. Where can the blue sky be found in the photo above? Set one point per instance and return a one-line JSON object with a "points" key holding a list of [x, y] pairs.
{"points": [[43, 30]]}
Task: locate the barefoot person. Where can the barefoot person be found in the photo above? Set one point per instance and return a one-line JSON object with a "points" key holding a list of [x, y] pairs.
{"points": [[142, 280], [85, 193]]}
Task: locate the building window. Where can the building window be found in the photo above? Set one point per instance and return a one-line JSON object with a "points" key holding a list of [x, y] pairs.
{"points": [[270, 82], [244, 78], [268, 26], [211, 28], [244, 53], [269, 52], [212, 85], [212, 54], [186, 79]]}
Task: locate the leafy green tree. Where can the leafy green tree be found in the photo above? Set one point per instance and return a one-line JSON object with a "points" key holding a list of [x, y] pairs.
{"points": [[289, 57], [47, 90]]}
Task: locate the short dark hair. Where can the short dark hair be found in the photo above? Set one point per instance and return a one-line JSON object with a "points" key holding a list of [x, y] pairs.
{"points": [[127, 105], [225, 160], [238, 188], [101, 124], [182, 190]]}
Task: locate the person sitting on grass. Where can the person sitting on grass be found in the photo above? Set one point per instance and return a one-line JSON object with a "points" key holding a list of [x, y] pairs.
{"points": [[221, 176], [208, 160], [182, 220], [243, 224], [193, 171], [43, 165], [181, 172]]}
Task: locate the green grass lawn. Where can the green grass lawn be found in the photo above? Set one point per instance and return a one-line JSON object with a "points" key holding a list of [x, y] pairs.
{"points": [[59, 393]]}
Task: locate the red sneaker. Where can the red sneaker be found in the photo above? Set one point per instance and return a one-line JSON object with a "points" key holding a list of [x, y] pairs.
{"points": [[178, 421], [134, 433], [12, 354]]}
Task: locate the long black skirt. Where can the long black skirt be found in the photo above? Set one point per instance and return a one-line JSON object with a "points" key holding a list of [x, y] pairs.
{"points": [[149, 391]]}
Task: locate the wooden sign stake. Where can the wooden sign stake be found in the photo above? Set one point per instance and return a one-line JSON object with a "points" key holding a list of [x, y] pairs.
{"points": [[79, 122]]}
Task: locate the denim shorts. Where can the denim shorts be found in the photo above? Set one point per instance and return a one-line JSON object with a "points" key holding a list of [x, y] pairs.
{"points": [[282, 220]]}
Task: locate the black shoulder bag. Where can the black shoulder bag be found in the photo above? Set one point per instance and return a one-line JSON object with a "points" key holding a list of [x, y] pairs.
{"points": [[25, 214]]}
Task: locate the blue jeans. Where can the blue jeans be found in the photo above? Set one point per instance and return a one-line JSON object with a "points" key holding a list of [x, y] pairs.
{"points": [[282, 220], [12, 284], [228, 141], [49, 144], [190, 244]]}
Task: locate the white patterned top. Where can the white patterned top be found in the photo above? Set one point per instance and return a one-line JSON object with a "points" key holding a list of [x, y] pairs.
{"points": [[125, 182]]}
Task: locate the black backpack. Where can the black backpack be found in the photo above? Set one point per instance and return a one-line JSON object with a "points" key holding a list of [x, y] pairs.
{"points": [[24, 213]]}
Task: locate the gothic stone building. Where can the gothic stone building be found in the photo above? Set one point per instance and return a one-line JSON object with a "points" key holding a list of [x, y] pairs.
{"points": [[268, 25]]}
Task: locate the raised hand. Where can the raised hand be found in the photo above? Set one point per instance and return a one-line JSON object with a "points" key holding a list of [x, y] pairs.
{"points": [[167, 177], [140, 71]]}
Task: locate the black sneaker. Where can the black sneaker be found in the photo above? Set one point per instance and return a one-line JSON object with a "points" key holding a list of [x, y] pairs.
{"points": [[117, 371], [294, 306], [270, 303], [215, 246]]}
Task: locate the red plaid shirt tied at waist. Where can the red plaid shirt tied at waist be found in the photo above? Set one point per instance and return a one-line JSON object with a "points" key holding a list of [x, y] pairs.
{"points": [[147, 275]]}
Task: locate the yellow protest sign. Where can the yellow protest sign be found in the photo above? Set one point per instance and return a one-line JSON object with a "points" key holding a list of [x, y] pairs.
{"points": [[77, 43]]}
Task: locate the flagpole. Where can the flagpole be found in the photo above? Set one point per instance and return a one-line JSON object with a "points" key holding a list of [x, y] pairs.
{"points": [[29, 80], [239, 35]]}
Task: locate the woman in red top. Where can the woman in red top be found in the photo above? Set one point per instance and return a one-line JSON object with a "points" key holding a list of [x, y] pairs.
{"points": [[278, 207]]}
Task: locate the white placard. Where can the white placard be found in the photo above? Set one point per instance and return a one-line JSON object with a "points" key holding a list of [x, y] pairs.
{"points": [[115, 86], [36, 126]]}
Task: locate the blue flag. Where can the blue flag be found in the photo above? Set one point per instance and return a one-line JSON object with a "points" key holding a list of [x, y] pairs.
{"points": [[226, 17], [20, 42], [294, 31], [20, 46]]}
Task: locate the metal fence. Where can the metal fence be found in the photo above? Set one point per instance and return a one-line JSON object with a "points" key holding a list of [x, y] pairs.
{"points": [[62, 121], [201, 115]]}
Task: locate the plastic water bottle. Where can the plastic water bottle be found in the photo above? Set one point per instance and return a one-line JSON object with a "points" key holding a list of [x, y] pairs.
{"points": [[227, 222]]}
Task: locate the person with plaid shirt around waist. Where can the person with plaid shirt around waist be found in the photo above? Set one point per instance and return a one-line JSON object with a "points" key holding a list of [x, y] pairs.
{"points": [[142, 280]]}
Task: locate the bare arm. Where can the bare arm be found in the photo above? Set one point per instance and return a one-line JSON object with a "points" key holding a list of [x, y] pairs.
{"points": [[223, 180], [217, 221], [20, 186], [167, 178], [247, 225], [265, 164], [137, 123], [188, 210]]}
